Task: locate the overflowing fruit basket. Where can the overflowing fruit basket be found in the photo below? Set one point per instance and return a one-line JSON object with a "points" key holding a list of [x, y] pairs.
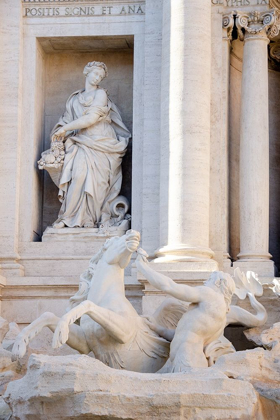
{"points": [[52, 160]]}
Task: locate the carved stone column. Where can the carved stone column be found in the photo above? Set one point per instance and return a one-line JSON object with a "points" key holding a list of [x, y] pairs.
{"points": [[185, 132], [10, 127], [255, 29]]}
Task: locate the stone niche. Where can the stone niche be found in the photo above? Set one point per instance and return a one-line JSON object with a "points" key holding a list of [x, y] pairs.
{"points": [[62, 60]]}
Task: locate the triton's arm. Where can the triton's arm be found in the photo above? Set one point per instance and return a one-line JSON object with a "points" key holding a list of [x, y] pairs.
{"points": [[237, 315], [167, 285]]}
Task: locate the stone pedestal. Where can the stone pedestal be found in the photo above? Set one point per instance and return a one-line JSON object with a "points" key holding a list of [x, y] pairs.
{"points": [[83, 234]]}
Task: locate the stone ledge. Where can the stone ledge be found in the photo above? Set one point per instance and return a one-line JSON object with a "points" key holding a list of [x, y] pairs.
{"points": [[82, 234], [76, 387]]}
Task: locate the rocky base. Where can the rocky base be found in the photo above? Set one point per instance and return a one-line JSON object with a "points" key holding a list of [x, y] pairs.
{"points": [[80, 387]]}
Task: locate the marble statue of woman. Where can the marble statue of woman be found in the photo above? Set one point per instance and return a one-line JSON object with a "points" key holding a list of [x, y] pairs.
{"points": [[95, 142]]}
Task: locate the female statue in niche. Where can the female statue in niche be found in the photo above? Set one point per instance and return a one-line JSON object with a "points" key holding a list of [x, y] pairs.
{"points": [[95, 141]]}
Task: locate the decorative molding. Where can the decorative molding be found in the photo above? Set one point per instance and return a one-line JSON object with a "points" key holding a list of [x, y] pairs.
{"points": [[257, 23], [61, 2], [228, 23]]}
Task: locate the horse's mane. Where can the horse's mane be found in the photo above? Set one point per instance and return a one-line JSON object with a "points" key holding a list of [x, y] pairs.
{"points": [[86, 278]]}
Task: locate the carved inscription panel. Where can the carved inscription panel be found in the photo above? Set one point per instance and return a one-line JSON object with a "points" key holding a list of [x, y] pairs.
{"points": [[240, 3], [79, 8]]}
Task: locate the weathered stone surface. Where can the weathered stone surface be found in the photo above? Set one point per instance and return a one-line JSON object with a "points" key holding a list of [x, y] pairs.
{"points": [[76, 387], [254, 335], [9, 370], [259, 367], [5, 412], [12, 333], [4, 328], [6, 361], [269, 338]]}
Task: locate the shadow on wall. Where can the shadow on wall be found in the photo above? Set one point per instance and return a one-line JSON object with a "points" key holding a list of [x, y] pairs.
{"points": [[274, 172]]}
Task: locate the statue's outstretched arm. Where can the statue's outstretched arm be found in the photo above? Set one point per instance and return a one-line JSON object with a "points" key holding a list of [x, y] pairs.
{"points": [[165, 284], [87, 120], [237, 315]]}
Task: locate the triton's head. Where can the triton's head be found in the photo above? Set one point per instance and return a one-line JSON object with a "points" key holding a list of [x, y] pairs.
{"points": [[224, 282]]}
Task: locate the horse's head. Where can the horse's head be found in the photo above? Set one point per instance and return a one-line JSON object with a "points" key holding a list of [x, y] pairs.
{"points": [[119, 250]]}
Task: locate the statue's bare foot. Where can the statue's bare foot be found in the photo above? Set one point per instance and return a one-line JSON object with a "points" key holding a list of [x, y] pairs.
{"points": [[59, 225], [61, 334], [19, 348]]}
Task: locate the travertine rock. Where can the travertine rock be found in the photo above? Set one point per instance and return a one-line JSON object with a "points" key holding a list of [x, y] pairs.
{"points": [[9, 339], [76, 387], [4, 328], [269, 338], [254, 335], [6, 362], [260, 367], [5, 412], [9, 370]]}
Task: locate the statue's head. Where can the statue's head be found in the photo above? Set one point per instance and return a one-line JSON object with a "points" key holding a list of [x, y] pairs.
{"points": [[118, 250], [224, 282], [95, 72]]}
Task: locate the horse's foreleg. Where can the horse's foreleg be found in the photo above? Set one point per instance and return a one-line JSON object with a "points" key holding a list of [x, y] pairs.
{"points": [[117, 326], [76, 338]]}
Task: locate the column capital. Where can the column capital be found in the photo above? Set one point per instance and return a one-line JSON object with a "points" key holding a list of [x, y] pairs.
{"points": [[258, 24], [228, 24]]}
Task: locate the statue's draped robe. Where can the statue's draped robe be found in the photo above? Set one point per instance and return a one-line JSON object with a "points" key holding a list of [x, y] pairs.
{"points": [[91, 176]]}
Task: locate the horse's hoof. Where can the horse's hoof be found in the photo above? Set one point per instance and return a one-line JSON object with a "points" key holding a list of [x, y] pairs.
{"points": [[60, 335], [19, 349]]}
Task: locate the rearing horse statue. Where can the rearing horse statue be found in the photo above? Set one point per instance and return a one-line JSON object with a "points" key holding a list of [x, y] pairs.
{"points": [[101, 319], [109, 325]]}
